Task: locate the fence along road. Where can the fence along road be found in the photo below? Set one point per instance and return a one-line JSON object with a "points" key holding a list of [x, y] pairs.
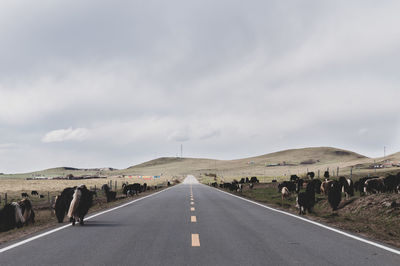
{"points": [[159, 230]]}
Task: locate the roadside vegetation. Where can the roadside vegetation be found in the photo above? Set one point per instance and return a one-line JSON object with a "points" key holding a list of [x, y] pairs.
{"points": [[373, 216]]}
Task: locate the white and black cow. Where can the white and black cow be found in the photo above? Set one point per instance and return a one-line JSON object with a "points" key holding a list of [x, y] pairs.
{"points": [[81, 202]]}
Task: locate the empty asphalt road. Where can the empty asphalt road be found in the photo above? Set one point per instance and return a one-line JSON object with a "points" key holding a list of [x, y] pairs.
{"points": [[192, 224]]}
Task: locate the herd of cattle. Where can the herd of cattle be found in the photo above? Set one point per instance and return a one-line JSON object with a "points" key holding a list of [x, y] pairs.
{"points": [[331, 188], [73, 202]]}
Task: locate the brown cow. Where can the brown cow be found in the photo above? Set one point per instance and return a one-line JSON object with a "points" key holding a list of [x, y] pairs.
{"points": [[325, 186]]}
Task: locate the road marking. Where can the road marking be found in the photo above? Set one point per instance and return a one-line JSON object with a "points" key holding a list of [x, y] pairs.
{"points": [[193, 219], [395, 251], [195, 240], [192, 203], [69, 224], [192, 209]]}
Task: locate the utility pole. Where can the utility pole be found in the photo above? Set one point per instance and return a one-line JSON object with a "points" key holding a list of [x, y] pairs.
{"points": [[181, 150], [384, 152]]}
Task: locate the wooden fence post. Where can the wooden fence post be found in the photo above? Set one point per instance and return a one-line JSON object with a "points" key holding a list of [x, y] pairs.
{"points": [[5, 199], [337, 171]]}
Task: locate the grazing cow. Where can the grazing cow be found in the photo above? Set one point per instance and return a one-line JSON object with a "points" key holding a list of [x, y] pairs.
{"points": [[233, 186], [215, 184], [311, 175], [109, 194], [291, 186], [242, 180], [251, 185], [41, 196], [24, 195], [346, 186], [360, 184], [334, 194], [247, 180], [11, 216], [326, 174], [240, 188], [34, 192], [294, 178], [63, 202], [144, 187], [317, 185], [374, 185], [299, 185], [169, 184], [254, 179], [81, 202], [391, 183], [27, 211], [134, 189], [274, 180], [306, 200], [325, 186], [285, 193]]}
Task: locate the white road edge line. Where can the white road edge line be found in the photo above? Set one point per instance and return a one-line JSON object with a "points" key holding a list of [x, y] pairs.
{"points": [[67, 225], [395, 251]]}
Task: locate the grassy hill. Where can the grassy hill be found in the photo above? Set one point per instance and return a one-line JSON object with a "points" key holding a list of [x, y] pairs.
{"points": [[268, 166]]}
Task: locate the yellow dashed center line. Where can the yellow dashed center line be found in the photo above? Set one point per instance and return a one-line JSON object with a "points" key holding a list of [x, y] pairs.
{"points": [[192, 203], [193, 219], [192, 209], [195, 240]]}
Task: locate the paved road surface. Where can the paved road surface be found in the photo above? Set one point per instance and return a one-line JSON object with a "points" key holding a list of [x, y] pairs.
{"points": [[224, 230]]}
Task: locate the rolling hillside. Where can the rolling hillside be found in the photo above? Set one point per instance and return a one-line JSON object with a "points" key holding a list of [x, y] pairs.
{"points": [[268, 166]]}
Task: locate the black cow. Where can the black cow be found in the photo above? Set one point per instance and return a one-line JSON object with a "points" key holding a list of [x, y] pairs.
{"points": [[242, 180], [215, 184], [291, 186], [360, 184], [82, 200], [254, 179], [306, 200], [326, 174], [62, 203], [41, 196], [247, 180], [11, 217], [109, 194], [299, 185], [34, 192], [317, 185], [374, 185], [392, 182], [24, 195], [294, 178], [311, 175], [347, 186], [133, 188], [334, 194]]}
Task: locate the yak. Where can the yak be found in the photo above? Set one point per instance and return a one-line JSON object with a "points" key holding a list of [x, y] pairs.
{"points": [[82, 200]]}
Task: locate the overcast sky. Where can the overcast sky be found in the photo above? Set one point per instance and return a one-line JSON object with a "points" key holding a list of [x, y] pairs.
{"points": [[116, 83]]}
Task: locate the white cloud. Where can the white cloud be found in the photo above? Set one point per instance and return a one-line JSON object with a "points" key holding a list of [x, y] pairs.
{"points": [[60, 135], [133, 80]]}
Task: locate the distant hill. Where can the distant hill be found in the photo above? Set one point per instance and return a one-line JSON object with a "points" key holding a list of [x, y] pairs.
{"points": [[276, 164]]}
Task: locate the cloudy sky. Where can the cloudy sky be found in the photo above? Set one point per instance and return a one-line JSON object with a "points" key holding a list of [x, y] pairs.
{"points": [[115, 83]]}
